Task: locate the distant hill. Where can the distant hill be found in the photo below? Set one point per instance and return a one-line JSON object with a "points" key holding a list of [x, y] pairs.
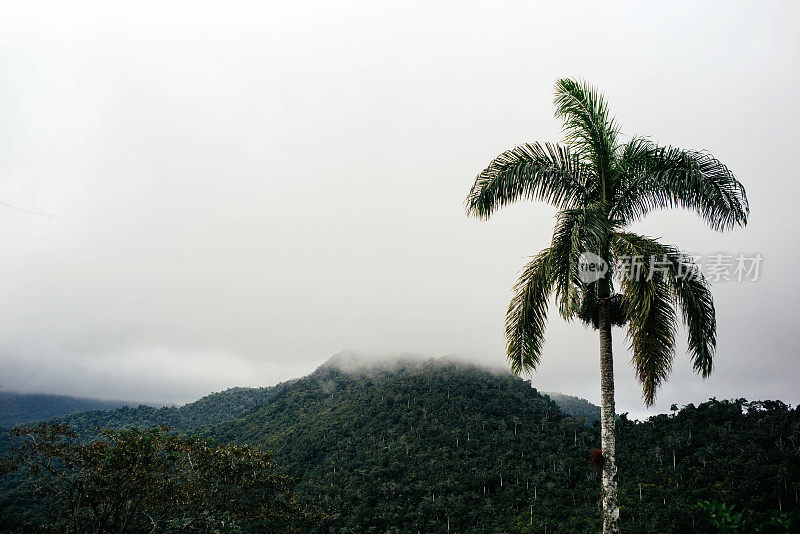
{"points": [[208, 411], [18, 408], [576, 406]]}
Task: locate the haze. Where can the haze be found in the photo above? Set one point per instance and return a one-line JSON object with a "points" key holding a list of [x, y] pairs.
{"points": [[240, 190]]}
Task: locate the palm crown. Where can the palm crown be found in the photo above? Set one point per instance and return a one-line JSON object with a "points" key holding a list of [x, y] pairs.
{"points": [[600, 186]]}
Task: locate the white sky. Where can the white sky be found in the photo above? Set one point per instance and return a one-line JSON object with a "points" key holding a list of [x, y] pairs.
{"points": [[242, 189]]}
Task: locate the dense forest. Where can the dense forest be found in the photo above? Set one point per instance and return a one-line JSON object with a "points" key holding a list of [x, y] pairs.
{"points": [[434, 445]]}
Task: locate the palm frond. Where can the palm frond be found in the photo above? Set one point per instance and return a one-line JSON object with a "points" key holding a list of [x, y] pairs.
{"points": [[651, 331], [687, 285], [633, 152], [527, 314], [653, 177], [692, 292], [697, 305], [588, 125], [549, 173], [577, 231]]}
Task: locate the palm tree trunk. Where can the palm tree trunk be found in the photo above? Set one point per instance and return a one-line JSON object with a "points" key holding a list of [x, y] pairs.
{"points": [[607, 435]]}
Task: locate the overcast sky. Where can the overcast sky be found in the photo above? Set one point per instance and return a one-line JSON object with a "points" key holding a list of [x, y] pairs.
{"points": [[240, 190]]}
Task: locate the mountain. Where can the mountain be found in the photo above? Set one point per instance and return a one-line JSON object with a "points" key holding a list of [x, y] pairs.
{"points": [[18, 408], [423, 446], [415, 444], [426, 445]]}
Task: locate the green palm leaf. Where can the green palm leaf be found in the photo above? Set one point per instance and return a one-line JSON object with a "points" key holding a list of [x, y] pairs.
{"points": [[690, 289], [548, 173], [577, 231], [527, 314], [651, 330], [588, 126], [653, 177]]}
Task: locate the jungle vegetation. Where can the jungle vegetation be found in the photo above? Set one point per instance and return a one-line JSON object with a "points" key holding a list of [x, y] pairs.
{"points": [[422, 445]]}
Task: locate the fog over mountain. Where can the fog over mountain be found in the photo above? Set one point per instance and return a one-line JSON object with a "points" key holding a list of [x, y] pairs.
{"points": [[199, 196]]}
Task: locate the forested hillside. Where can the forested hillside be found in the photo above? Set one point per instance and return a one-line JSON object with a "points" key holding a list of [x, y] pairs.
{"points": [[417, 446], [208, 411], [427, 445], [18, 408], [576, 406], [745, 455], [420, 444]]}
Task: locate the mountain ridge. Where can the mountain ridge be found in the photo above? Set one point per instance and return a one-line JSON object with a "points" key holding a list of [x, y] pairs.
{"points": [[234, 402]]}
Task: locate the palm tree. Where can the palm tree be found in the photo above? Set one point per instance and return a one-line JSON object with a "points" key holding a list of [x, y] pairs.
{"points": [[600, 186]]}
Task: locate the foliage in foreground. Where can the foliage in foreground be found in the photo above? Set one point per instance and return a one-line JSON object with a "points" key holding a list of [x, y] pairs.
{"points": [[148, 481], [725, 520]]}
